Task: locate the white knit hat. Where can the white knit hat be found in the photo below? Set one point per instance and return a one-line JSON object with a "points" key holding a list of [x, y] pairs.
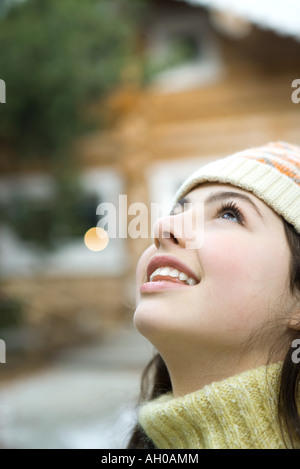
{"points": [[271, 172]]}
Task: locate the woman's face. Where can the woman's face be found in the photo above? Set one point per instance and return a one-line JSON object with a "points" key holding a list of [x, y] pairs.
{"points": [[240, 275]]}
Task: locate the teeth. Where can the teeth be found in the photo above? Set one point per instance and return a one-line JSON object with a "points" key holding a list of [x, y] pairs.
{"points": [[165, 271], [191, 281], [183, 276], [156, 272], [174, 273], [169, 271]]}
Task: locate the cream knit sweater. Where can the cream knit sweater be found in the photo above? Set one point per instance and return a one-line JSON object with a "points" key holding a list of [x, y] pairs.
{"points": [[239, 412]]}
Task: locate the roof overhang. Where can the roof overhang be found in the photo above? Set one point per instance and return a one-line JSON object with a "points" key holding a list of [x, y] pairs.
{"points": [[280, 16]]}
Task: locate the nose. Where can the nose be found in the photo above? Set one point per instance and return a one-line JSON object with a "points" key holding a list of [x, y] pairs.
{"points": [[164, 232], [185, 229]]}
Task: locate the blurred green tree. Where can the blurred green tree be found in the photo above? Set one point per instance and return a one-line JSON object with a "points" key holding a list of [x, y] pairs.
{"points": [[56, 58]]}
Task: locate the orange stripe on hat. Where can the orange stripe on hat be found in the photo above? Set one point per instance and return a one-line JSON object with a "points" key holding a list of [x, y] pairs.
{"points": [[281, 167]]}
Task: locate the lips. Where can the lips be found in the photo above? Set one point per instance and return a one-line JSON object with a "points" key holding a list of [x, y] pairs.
{"points": [[161, 261]]}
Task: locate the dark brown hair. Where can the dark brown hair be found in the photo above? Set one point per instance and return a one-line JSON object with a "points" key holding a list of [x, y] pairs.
{"points": [[288, 411], [156, 379]]}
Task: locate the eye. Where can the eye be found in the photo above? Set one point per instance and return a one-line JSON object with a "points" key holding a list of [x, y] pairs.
{"points": [[230, 211]]}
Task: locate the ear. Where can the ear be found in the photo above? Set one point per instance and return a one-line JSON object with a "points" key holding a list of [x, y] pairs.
{"points": [[294, 322]]}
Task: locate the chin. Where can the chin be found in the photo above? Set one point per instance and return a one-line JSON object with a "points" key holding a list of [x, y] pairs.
{"points": [[150, 323], [143, 320]]}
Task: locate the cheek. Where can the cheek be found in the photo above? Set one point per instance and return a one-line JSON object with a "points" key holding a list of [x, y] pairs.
{"points": [[239, 280], [228, 262]]}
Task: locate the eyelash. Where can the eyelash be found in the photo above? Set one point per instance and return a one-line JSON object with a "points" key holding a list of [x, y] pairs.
{"points": [[233, 208]]}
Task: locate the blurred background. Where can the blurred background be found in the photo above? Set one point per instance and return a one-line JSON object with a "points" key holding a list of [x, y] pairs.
{"points": [[106, 98]]}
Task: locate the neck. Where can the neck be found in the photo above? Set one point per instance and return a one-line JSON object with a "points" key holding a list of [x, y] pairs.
{"points": [[188, 373]]}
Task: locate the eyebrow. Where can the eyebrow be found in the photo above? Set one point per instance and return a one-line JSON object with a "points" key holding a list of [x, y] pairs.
{"points": [[220, 196]]}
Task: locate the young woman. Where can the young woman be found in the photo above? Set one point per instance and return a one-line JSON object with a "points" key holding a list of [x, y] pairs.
{"points": [[223, 312]]}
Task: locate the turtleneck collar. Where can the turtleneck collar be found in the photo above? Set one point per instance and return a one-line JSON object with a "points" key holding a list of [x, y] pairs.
{"points": [[239, 412]]}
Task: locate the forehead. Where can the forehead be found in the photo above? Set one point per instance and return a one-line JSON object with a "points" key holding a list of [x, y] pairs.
{"points": [[207, 188], [218, 186]]}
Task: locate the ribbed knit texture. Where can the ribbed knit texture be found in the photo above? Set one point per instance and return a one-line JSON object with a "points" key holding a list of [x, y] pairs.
{"points": [[271, 172], [239, 412]]}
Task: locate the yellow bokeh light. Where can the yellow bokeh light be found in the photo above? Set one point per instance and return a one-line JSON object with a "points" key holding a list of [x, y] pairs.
{"points": [[96, 239]]}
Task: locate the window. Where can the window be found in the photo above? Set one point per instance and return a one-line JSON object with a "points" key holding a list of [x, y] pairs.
{"points": [[182, 52], [162, 187], [43, 227]]}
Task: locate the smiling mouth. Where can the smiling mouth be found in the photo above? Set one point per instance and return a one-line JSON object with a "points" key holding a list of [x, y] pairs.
{"points": [[169, 274]]}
